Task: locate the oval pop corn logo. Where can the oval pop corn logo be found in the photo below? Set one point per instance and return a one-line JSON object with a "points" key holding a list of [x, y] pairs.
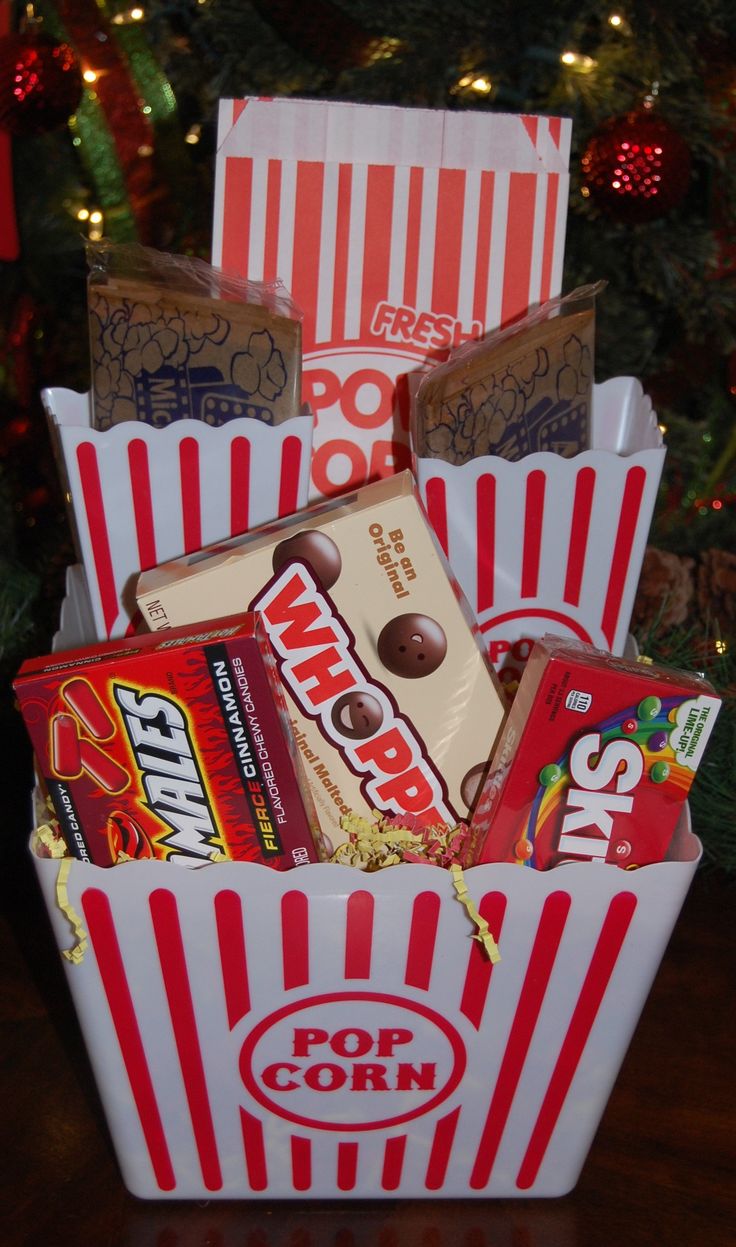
{"points": [[352, 1061]]}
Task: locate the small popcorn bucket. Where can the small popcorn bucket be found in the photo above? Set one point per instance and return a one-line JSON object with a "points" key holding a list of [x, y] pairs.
{"points": [[139, 496], [326, 1033], [549, 544]]}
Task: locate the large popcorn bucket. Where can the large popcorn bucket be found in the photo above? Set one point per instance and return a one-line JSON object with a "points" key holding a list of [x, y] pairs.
{"points": [[549, 544], [326, 1033], [140, 495]]}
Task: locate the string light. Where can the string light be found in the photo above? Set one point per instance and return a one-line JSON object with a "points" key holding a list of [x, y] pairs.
{"points": [[721, 646], [479, 83], [579, 62], [619, 24], [96, 222], [193, 134], [132, 15], [89, 75], [83, 214]]}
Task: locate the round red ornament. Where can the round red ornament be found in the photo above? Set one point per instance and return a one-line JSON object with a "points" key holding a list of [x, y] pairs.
{"points": [[40, 82], [636, 167]]}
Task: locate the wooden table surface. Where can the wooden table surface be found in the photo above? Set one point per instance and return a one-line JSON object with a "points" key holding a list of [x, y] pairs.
{"points": [[661, 1170]]}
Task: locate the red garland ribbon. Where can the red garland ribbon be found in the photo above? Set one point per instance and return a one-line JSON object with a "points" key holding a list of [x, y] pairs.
{"points": [[9, 240], [132, 132], [19, 348]]}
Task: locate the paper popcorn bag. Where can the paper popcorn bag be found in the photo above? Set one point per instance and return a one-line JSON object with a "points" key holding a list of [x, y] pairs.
{"points": [[400, 233]]}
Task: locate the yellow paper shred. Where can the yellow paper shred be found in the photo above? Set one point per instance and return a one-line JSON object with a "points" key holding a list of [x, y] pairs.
{"points": [[76, 953], [48, 835], [483, 935]]}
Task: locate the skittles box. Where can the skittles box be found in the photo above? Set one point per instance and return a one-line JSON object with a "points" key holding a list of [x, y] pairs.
{"points": [[176, 748], [393, 701], [595, 760]]}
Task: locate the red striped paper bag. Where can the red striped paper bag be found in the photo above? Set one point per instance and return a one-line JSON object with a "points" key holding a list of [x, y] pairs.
{"points": [[400, 233]]}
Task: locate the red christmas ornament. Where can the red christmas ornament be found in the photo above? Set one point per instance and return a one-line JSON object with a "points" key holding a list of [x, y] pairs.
{"points": [[40, 82], [637, 167]]}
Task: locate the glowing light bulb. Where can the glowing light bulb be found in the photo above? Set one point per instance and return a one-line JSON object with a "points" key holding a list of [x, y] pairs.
{"points": [[83, 214], [615, 20], [482, 85], [89, 75], [136, 15], [579, 62]]}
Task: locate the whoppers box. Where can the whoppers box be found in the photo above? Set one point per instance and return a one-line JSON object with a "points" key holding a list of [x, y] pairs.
{"points": [[393, 701]]}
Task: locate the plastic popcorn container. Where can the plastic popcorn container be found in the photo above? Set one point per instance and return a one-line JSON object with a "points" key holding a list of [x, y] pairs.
{"points": [[326, 1033], [549, 544], [139, 496]]}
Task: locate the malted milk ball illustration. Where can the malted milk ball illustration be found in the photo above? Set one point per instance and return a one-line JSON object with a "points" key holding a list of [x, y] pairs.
{"points": [[412, 646], [357, 715], [315, 549]]}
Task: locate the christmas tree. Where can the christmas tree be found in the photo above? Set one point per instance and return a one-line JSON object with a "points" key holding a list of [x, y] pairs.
{"points": [[107, 127]]}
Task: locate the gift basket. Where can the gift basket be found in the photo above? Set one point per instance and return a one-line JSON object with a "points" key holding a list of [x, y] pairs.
{"points": [[341, 918]]}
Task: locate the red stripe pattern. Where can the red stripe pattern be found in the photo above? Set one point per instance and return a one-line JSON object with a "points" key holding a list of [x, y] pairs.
{"points": [[627, 525], [613, 933], [140, 488], [104, 941], [420, 954], [542, 959], [99, 538], [231, 941], [168, 936], [295, 939], [440, 1143], [579, 529]]}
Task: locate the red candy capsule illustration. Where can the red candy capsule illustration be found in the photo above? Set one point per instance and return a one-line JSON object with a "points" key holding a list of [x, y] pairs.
{"points": [[66, 761], [83, 700], [103, 769]]}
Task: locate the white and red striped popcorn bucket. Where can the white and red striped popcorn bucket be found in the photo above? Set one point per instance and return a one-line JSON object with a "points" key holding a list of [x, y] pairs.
{"points": [[140, 495], [326, 1033], [549, 544]]}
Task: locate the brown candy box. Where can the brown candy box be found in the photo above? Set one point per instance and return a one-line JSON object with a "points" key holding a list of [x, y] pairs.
{"points": [[172, 338], [392, 698], [526, 388]]}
